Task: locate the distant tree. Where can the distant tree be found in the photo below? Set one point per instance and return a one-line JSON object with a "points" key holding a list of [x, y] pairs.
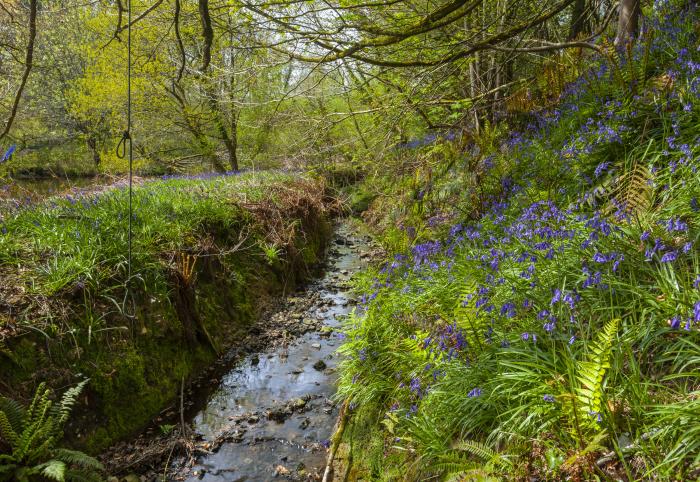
{"points": [[28, 62]]}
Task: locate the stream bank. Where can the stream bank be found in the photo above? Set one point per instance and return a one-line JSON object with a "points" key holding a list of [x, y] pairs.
{"points": [[209, 256], [266, 408]]}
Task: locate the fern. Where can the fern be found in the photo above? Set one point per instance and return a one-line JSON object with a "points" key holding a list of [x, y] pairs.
{"points": [[459, 463], [13, 412], [62, 411], [477, 449], [73, 457], [591, 372], [7, 430], [632, 192], [54, 470], [32, 435]]}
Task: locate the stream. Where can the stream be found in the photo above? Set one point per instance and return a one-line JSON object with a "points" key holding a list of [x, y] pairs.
{"points": [[272, 413]]}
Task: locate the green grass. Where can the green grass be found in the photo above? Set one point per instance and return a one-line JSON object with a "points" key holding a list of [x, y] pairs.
{"points": [[72, 240]]}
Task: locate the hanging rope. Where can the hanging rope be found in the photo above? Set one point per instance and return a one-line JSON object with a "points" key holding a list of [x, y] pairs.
{"points": [[125, 144]]}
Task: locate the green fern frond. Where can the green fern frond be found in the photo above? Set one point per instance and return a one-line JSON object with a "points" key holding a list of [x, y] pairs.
{"points": [[7, 431], [459, 467], [63, 410], [477, 449], [14, 412], [591, 372], [40, 395], [73, 457], [54, 470], [33, 447]]}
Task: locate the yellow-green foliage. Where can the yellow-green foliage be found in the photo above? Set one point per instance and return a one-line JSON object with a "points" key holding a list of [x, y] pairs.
{"points": [[590, 374]]}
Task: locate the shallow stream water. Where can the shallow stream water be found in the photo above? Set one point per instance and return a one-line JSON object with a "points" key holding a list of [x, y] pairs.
{"points": [[273, 410]]}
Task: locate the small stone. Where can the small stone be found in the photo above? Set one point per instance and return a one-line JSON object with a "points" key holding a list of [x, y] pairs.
{"points": [[298, 403], [304, 424], [320, 365], [253, 419], [281, 470], [279, 415], [316, 345]]}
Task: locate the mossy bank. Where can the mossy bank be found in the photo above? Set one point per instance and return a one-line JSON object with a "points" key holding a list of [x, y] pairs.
{"points": [[207, 254]]}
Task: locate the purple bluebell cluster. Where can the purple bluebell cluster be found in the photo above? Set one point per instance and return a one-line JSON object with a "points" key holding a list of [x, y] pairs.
{"points": [[550, 251]]}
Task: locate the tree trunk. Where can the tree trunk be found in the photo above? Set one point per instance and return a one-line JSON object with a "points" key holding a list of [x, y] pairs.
{"points": [[230, 139], [231, 142], [92, 145], [579, 19], [628, 21]]}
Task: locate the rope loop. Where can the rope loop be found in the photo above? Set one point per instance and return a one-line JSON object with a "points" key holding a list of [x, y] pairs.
{"points": [[121, 147]]}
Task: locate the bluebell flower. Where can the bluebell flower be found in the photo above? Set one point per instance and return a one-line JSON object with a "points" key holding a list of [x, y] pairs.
{"points": [[675, 322], [8, 154], [601, 168], [669, 257], [556, 297], [597, 415], [415, 386], [675, 224], [571, 298], [548, 398], [475, 392], [508, 309]]}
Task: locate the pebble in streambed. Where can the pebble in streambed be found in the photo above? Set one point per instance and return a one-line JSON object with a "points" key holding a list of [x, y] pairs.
{"points": [[272, 414]]}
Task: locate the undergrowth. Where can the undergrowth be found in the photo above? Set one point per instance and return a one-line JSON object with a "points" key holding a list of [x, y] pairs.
{"points": [[541, 315]]}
